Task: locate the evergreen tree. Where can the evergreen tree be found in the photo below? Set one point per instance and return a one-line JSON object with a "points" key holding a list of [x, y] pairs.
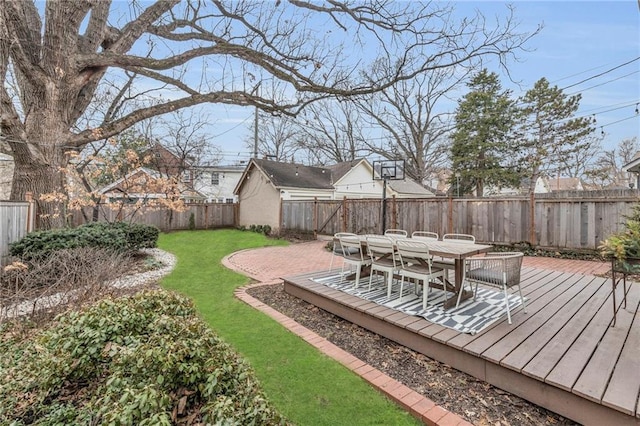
{"points": [[548, 132], [482, 143]]}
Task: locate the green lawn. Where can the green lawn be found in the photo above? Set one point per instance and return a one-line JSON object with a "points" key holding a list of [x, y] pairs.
{"points": [[307, 387]]}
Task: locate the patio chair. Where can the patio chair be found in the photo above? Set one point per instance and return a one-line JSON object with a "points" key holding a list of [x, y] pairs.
{"points": [[353, 255], [501, 270], [425, 235], [338, 250], [453, 238], [396, 233], [459, 238], [383, 258], [416, 263]]}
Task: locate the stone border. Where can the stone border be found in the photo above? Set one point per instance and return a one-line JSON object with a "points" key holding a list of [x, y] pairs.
{"points": [[416, 404]]}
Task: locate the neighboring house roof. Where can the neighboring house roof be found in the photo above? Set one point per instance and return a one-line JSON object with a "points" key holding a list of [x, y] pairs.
{"points": [[564, 184], [289, 175], [339, 170], [228, 168], [633, 166], [409, 187], [139, 182]]}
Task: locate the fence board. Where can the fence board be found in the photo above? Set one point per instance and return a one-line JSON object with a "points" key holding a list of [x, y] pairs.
{"points": [[205, 215], [15, 222], [579, 220]]}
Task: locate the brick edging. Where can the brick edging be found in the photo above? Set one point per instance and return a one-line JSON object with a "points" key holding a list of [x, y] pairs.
{"points": [[416, 404]]}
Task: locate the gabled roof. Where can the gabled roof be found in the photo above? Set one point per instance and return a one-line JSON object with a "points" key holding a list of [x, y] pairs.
{"points": [[633, 166], [121, 184], [340, 169], [563, 184], [289, 175], [408, 186]]}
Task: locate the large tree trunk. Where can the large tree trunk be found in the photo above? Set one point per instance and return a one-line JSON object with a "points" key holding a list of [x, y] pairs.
{"points": [[39, 162]]}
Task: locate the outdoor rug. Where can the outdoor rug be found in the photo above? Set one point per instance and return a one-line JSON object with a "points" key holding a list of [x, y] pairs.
{"points": [[470, 317]]}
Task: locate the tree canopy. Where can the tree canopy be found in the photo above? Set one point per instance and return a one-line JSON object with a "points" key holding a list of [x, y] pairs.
{"points": [[55, 58], [482, 149], [549, 130]]}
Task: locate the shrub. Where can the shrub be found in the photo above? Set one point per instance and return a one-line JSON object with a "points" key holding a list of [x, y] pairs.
{"points": [[260, 229], [192, 222], [73, 276], [145, 359], [118, 237]]}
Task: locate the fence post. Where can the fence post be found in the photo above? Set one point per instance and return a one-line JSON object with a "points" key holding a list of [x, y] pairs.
{"points": [[394, 212], [315, 218], [31, 212], [450, 215], [532, 219], [345, 213]]}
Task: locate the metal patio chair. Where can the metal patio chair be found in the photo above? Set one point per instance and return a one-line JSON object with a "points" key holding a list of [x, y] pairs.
{"points": [[338, 250], [353, 255], [425, 235], [416, 263], [396, 233], [382, 252]]}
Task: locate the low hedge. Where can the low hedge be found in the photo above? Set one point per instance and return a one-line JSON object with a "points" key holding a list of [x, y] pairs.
{"points": [[119, 237], [146, 359]]}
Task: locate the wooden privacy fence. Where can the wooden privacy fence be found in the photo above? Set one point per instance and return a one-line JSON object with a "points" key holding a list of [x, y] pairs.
{"points": [[205, 216], [17, 218], [575, 221]]}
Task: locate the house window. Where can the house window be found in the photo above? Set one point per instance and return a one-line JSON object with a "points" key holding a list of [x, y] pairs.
{"points": [[186, 177], [229, 200], [215, 178]]}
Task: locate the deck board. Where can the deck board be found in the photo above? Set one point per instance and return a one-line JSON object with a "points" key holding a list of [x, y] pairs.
{"points": [[556, 347], [623, 388], [539, 339], [539, 308], [562, 354], [593, 381]]}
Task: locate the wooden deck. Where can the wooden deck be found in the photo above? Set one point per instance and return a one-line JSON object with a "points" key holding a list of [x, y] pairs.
{"points": [[562, 354]]}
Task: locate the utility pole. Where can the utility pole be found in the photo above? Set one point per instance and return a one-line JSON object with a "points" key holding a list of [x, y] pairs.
{"points": [[255, 135], [255, 125]]}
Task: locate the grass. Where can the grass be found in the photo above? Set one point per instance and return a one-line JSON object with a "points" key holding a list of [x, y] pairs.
{"points": [[306, 386]]}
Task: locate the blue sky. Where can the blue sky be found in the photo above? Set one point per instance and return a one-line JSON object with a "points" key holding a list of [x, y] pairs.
{"points": [[579, 40]]}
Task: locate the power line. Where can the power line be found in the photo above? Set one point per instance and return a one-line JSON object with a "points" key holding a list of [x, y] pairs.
{"points": [[619, 121], [581, 72], [601, 74], [602, 84]]}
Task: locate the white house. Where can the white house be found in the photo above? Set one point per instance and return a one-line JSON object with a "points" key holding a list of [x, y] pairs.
{"points": [[355, 179], [217, 183]]}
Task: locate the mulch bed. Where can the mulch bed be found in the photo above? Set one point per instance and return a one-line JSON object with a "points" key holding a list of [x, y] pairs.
{"points": [[474, 400]]}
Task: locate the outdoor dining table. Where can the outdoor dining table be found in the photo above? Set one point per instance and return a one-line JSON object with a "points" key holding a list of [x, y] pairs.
{"points": [[458, 251]]}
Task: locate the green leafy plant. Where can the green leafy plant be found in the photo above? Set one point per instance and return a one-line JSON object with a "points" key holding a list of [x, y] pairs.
{"points": [[146, 359], [624, 246], [119, 237]]}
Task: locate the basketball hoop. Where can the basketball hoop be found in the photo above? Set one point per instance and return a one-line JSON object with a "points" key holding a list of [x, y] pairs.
{"points": [[387, 170]]}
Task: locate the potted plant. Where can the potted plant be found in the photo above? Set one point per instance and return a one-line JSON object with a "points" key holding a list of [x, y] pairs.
{"points": [[623, 248]]}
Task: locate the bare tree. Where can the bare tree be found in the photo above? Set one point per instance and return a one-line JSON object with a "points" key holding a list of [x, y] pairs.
{"points": [[414, 121], [212, 52], [579, 162], [332, 132], [607, 170]]}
